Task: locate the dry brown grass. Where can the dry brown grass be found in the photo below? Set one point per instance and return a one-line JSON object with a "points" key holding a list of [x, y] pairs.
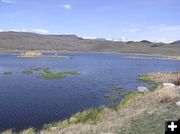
{"points": [[165, 77], [176, 79], [167, 94]]}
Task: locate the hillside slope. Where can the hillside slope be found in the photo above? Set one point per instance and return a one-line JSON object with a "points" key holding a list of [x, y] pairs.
{"points": [[27, 41]]}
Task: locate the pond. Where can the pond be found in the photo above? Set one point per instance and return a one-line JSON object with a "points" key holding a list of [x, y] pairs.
{"points": [[32, 101]]}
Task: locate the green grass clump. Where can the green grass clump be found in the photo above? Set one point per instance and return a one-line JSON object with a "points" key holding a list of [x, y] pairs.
{"points": [[53, 76], [47, 70], [27, 72], [145, 78], [7, 73], [127, 98], [71, 73], [58, 75], [90, 116]]}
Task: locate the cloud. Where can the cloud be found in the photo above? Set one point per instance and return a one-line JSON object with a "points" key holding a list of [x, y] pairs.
{"points": [[66, 6], [1, 30], [89, 37], [124, 39], [8, 1], [104, 38], [19, 30], [40, 30]]}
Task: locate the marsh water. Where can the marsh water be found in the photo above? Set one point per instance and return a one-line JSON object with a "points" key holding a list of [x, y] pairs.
{"points": [[32, 101]]}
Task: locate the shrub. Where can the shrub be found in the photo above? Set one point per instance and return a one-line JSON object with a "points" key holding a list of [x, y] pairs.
{"points": [[167, 95]]}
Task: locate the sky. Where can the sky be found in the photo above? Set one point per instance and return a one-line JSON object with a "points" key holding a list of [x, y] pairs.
{"points": [[154, 20]]}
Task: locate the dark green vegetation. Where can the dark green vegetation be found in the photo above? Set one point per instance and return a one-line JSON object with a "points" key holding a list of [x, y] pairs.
{"points": [[58, 75], [32, 41], [8, 73]]}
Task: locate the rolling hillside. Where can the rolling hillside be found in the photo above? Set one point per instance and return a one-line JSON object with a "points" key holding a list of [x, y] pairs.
{"points": [[28, 41]]}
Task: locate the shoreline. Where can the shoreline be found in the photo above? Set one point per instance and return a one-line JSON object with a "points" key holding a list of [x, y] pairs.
{"points": [[44, 56], [135, 55]]}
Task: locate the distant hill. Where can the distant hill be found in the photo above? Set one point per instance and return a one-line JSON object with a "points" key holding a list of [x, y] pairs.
{"points": [[176, 42], [146, 41], [29, 41]]}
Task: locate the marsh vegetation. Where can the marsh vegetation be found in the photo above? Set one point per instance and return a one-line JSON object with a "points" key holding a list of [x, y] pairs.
{"points": [[8, 73], [58, 75], [46, 73]]}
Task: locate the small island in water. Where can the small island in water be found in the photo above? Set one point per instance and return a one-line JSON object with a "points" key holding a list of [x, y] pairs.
{"points": [[37, 54]]}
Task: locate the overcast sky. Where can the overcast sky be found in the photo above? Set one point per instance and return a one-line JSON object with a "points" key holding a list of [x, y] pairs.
{"points": [[155, 20]]}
